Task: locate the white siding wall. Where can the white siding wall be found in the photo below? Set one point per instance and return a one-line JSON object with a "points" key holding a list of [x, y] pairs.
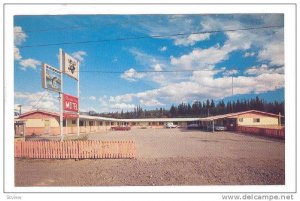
{"points": [[247, 121]]}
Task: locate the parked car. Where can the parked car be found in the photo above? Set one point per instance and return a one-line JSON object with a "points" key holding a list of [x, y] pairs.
{"points": [[193, 126], [217, 128], [171, 125]]}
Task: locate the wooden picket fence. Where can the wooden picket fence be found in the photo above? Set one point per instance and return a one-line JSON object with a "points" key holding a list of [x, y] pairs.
{"points": [[278, 133], [74, 149]]}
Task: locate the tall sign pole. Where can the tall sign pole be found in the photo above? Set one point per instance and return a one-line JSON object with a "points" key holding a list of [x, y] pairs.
{"points": [[52, 79], [78, 131], [61, 120], [70, 67]]}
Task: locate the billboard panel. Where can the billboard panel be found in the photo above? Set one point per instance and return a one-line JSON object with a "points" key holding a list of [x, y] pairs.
{"points": [[51, 78], [70, 103], [70, 65]]}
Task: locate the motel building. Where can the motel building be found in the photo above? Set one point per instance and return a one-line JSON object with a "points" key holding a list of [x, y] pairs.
{"points": [[41, 122]]}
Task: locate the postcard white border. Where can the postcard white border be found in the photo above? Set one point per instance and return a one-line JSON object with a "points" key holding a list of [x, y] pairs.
{"points": [[290, 96]]}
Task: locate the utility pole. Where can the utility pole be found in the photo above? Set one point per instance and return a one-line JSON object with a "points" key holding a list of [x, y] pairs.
{"points": [[78, 113], [279, 119], [61, 118], [20, 109], [232, 85]]}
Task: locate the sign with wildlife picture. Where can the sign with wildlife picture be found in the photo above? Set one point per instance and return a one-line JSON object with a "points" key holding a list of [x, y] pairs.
{"points": [[70, 65], [51, 78]]}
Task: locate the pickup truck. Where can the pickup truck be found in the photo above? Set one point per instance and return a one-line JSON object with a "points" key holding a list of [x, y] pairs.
{"points": [[171, 125]]}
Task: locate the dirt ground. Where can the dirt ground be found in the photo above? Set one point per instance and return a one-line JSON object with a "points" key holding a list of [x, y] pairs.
{"points": [[167, 157]]}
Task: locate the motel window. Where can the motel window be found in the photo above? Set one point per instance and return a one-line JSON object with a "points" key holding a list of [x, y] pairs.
{"points": [[133, 123], [256, 120], [161, 123], [64, 122], [80, 123], [241, 119], [107, 123], [91, 123], [73, 121], [100, 123]]}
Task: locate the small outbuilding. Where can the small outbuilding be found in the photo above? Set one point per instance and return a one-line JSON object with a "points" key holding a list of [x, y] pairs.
{"points": [[251, 118], [39, 122]]}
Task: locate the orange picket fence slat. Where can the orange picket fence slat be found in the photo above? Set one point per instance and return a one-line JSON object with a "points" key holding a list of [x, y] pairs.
{"points": [[77, 149]]}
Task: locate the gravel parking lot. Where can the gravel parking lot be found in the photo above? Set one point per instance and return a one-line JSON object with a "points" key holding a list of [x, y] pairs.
{"points": [[167, 157]]}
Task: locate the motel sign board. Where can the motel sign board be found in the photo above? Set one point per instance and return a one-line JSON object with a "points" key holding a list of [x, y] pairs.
{"points": [[70, 103]]}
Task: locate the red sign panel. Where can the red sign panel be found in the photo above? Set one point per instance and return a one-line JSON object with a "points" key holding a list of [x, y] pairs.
{"points": [[70, 103], [70, 116]]}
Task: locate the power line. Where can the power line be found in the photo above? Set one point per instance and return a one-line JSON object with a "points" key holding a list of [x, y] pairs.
{"points": [[146, 71], [173, 71], [55, 29], [37, 102], [151, 36]]}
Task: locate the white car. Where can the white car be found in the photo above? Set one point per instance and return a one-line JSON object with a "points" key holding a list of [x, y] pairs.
{"points": [[171, 125]]}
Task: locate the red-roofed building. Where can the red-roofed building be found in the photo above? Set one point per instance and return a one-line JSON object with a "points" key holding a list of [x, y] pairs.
{"points": [[40, 122]]}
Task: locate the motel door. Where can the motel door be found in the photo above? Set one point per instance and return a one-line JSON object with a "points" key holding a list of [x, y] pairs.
{"points": [[47, 126], [231, 124]]}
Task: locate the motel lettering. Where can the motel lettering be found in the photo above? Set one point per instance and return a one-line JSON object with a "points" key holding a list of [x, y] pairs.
{"points": [[70, 103]]}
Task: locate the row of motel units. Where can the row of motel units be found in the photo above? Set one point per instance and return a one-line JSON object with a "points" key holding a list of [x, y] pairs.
{"points": [[42, 122]]}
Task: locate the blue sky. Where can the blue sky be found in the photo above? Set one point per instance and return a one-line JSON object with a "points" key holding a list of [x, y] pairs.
{"points": [[254, 58]]}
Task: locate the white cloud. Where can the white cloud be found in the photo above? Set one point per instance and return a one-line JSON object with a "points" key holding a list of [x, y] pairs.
{"points": [[202, 85], [200, 58], [271, 45], [163, 48], [146, 59], [29, 63], [156, 63], [24, 108], [122, 106], [19, 35], [249, 54], [191, 39], [258, 70], [103, 101], [270, 42], [38, 100], [115, 103], [157, 67], [273, 50], [230, 72], [17, 55], [92, 98], [151, 103], [205, 84], [79, 55], [132, 75]]}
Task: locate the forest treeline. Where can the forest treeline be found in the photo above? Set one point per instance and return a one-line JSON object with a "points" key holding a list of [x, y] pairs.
{"points": [[200, 109]]}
